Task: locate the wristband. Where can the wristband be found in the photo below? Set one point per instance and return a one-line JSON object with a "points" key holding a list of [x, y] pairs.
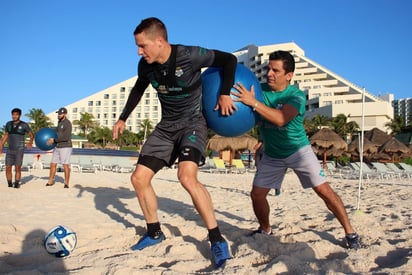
{"points": [[255, 106]]}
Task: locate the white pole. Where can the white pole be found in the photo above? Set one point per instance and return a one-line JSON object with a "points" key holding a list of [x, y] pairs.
{"points": [[361, 148]]}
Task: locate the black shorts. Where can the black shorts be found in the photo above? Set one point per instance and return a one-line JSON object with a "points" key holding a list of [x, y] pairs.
{"points": [[184, 140]]}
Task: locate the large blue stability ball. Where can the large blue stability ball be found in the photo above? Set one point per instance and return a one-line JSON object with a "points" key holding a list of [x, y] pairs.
{"points": [[42, 136], [242, 120]]}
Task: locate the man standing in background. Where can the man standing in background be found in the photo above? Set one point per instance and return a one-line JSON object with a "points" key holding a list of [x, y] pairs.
{"points": [[14, 134]]}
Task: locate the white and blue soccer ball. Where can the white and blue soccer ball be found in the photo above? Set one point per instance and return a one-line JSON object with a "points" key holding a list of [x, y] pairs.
{"points": [[60, 241]]}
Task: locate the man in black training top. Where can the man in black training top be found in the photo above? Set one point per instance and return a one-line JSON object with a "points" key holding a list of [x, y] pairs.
{"points": [[174, 71], [14, 134]]}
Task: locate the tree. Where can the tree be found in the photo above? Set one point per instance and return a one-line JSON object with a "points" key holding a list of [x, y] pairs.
{"points": [[396, 125], [86, 122], [344, 128], [101, 135], [38, 119], [146, 127], [127, 138], [318, 121]]}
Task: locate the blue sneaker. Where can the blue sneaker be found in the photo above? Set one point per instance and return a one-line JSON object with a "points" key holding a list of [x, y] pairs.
{"points": [[353, 241], [220, 252], [146, 241]]}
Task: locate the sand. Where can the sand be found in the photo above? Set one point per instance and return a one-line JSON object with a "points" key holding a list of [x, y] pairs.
{"points": [[103, 211]]}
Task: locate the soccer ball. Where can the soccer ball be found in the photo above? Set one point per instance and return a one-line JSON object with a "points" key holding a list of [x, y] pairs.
{"points": [[60, 241]]}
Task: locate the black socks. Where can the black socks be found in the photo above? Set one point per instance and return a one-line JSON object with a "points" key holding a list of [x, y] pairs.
{"points": [[214, 235], [153, 229]]}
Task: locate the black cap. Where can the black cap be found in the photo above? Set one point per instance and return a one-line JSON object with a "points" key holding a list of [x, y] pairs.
{"points": [[62, 110]]}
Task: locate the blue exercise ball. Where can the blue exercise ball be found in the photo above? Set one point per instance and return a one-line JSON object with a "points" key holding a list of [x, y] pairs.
{"points": [[244, 118], [42, 136]]}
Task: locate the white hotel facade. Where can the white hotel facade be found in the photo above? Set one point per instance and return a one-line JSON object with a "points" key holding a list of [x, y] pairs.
{"points": [[328, 94]]}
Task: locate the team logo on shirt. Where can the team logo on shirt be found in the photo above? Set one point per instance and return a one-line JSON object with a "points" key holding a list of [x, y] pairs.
{"points": [[179, 72], [279, 106], [162, 89]]}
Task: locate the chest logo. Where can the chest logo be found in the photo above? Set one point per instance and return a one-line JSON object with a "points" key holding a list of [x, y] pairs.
{"points": [[179, 72]]}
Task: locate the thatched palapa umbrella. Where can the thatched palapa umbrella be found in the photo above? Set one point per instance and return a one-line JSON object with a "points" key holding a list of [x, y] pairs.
{"points": [[368, 147], [243, 142], [328, 143], [393, 148], [377, 136]]}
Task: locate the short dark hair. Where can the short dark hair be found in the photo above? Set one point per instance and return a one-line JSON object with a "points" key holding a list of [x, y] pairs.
{"points": [[286, 57], [152, 25], [16, 110]]}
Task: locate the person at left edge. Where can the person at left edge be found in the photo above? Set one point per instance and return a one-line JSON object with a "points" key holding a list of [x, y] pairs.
{"points": [[14, 134], [174, 71]]}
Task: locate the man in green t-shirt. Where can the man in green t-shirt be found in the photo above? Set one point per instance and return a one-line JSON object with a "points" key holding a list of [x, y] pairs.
{"points": [[285, 145]]}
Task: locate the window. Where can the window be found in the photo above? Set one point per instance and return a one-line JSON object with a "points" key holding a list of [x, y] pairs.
{"points": [[122, 89], [74, 110], [106, 96], [90, 103], [98, 103]]}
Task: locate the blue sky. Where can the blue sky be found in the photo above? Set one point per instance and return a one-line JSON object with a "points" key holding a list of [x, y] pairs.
{"points": [[53, 53]]}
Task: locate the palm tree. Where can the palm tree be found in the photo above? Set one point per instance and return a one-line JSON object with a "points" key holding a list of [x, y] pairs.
{"points": [[127, 138], [395, 125], [319, 121], [147, 127], [86, 122], [38, 119], [309, 126], [344, 128], [101, 135]]}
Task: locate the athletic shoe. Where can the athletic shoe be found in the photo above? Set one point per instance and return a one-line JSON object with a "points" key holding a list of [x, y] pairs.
{"points": [[261, 231], [220, 251], [146, 241], [353, 241], [16, 185], [10, 184]]}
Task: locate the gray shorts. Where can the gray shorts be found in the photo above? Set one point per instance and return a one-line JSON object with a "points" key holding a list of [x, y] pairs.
{"points": [[61, 155], [271, 171], [14, 157]]}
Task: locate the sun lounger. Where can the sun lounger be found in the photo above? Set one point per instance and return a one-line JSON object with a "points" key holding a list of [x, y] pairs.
{"points": [[396, 169], [385, 172], [123, 165], [220, 165], [238, 167]]}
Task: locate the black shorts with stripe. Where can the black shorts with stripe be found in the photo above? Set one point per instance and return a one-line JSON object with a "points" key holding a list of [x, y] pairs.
{"points": [[184, 140]]}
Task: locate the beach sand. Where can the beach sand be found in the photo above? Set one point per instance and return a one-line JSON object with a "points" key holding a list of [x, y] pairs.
{"points": [[103, 211]]}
